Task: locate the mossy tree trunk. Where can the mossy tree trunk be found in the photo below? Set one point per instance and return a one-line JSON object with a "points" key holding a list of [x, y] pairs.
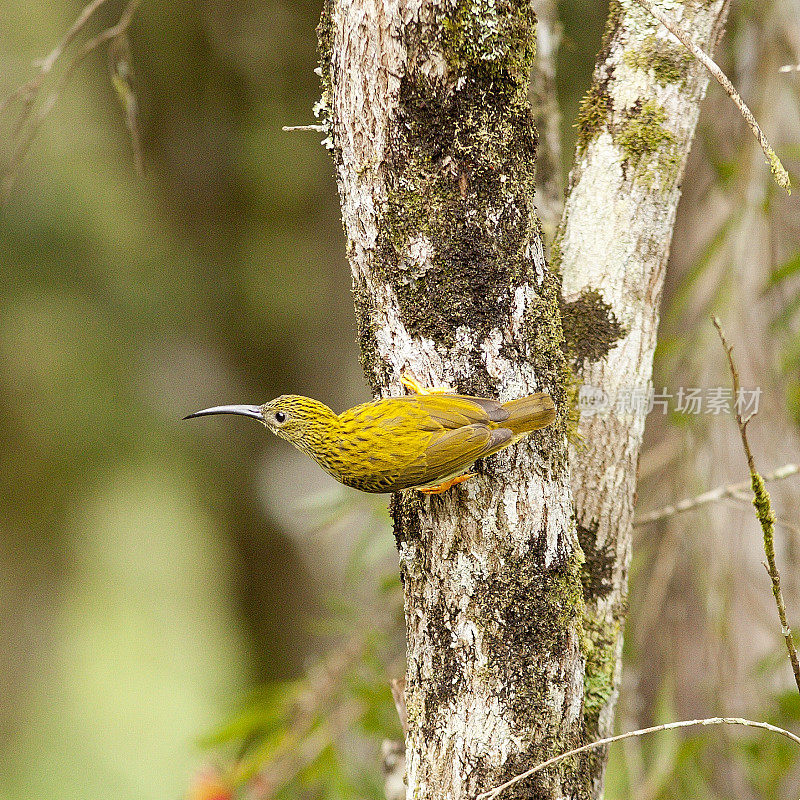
{"points": [[636, 123], [434, 148]]}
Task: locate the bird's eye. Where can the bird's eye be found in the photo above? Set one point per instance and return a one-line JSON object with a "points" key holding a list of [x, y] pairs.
{"points": [[280, 417]]}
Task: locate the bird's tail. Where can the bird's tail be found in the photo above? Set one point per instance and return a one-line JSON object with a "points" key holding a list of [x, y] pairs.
{"points": [[529, 413]]}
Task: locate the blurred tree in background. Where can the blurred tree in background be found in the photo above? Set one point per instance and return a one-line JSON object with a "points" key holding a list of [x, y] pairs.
{"points": [[154, 573]]}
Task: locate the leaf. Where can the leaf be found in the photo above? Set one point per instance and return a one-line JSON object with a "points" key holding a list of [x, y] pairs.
{"points": [[265, 713], [785, 270]]}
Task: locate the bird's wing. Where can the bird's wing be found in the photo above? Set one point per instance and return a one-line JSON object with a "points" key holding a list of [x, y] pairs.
{"points": [[452, 452], [453, 411]]}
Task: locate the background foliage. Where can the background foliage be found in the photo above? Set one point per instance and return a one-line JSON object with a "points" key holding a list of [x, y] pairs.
{"points": [[155, 575]]}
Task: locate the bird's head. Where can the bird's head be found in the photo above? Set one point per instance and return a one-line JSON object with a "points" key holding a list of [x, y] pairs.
{"points": [[302, 421]]}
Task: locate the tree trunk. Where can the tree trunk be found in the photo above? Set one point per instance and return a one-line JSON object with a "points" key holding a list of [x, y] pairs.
{"points": [[426, 105], [434, 147], [636, 127]]}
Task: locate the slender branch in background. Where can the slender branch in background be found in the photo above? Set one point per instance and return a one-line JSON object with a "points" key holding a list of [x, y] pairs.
{"points": [[763, 509], [712, 496], [294, 756], [790, 68], [28, 90], [776, 167], [293, 128], [28, 124], [629, 735], [121, 71]]}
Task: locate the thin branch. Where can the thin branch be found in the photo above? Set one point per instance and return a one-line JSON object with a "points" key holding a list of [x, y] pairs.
{"points": [[712, 496], [790, 68], [28, 90], [398, 687], [763, 510], [289, 761], [121, 73], [777, 169], [492, 793], [31, 122], [293, 128]]}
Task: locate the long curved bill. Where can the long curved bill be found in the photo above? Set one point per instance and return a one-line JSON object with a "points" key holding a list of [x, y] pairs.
{"points": [[244, 411]]}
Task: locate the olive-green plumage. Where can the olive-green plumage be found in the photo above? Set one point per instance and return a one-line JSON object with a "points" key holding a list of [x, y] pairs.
{"points": [[416, 441]]}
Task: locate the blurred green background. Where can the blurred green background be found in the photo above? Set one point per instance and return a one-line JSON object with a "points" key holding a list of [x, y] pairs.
{"points": [[145, 582], [153, 571]]}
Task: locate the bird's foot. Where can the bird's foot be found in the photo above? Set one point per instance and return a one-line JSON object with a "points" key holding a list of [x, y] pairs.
{"points": [[443, 487], [415, 388]]}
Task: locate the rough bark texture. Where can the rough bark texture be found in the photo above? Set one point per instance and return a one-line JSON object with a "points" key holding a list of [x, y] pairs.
{"points": [[434, 147], [637, 123]]}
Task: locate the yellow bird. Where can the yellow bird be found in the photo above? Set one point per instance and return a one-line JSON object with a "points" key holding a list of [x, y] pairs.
{"points": [[425, 441]]}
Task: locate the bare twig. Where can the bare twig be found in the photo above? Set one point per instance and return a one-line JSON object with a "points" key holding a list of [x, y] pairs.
{"points": [[315, 128], [121, 72], [30, 122], [763, 510], [398, 687], [28, 90], [790, 68], [492, 793], [712, 496], [777, 169]]}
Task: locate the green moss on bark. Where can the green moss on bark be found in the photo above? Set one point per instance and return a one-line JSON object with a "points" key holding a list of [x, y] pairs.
{"points": [[592, 114], [528, 626], [325, 43], [599, 640], [322, 108], [496, 33], [613, 21], [600, 651], [598, 565], [650, 148], [596, 104], [669, 63], [527, 616], [458, 217]]}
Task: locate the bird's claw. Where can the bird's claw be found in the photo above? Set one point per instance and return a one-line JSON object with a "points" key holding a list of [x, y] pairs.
{"points": [[443, 487], [415, 388]]}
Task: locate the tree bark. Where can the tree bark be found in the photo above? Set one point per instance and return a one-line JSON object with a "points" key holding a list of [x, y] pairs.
{"points": [[434, 146], [636, 128], [513, 641]]}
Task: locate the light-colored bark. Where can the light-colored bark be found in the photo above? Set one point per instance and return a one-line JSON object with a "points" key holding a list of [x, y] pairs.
{"points": [[637, 126], [434, 153], [547, 114], [434, 149]]}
